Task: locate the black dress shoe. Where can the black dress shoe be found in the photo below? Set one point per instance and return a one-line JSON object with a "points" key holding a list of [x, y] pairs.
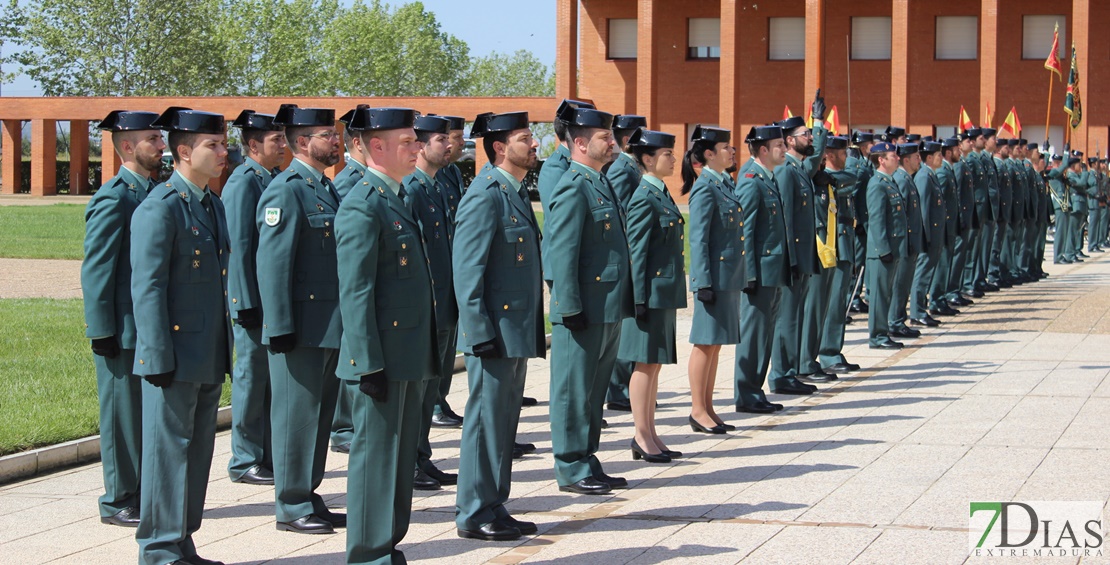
{"points": [[820, 376], [589, 485], [342, 448], [848, 319], [256, 475], [977, 293], [638, 453], [518, 453], [445, 420], [904, 332], [613, 482], [621, 405], [128, 518], [697, 427], [755, 408], [421, 481], [529, 401], [307, 525], [726, 427], [336, 519], [526, 528], [796, 389], [672, 454], [929, 322], [493, 531], [525, 447], [859, 307], [198, 560], [442, 477], [949, 311], [990, 287], [604, 423], [887, 345], [961, 301]]}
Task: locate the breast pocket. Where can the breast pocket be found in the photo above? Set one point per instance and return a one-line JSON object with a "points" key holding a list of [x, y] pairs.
{"points": [[198, 258], [401, 251], [604, 223], [519, 240], [323, 229]]}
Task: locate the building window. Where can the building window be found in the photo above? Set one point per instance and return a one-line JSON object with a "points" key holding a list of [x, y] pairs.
{"points": [[787, 39], [705, 38], [1036, 37], [871, 38], [622, 38], [957, 37], [944, 131]]}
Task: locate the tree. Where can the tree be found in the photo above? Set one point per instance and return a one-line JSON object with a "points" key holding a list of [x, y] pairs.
{"points": [[117, 47], [519, 74]]}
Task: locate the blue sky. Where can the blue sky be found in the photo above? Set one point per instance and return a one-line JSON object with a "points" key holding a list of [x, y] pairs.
{"points": [[488, 26]]}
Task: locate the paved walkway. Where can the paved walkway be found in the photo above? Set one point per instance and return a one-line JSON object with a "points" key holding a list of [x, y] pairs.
{"points": [[1009, 401]]}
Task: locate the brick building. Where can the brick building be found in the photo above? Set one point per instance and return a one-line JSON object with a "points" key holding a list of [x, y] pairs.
{"points": [[911, 62]]}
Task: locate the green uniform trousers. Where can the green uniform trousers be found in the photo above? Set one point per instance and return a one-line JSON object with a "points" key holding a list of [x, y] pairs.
{"points": [[925, 268], [956, 268], [445, 368], [121, 431], [759, 312], [880, 279], [900, 291], [942, 275], [342, 428], [1060, 237], [250, 404], [486, 449], [986, 243], [972, 242], [304, 392], [379, 477], [786, 345], [814, 310], [833, 325], [179, 422], [618, 381], [1075, 231], [581, 366]]}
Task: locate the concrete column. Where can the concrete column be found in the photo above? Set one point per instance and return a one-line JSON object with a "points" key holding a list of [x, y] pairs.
{"points": [[815, 48], [729, 115], [899, 62], [109, 161], [78, 156], [12, 140], [988, 61], [44, 157], [1081, 35], [566, 45], [646, 65]]}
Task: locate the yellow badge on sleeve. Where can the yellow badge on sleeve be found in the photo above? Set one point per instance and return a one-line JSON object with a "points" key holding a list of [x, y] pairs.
{"points": [[273, 216]]}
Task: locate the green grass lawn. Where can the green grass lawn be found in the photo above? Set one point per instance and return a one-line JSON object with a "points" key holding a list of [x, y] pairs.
{"points": [[42, 232], [47, 380]]}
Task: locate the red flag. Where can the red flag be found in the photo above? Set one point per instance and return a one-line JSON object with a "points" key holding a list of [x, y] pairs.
{"points": [[832, 123], [1053, 61], [965, 121], [1012, 124], [989, 116], [786, 113]]}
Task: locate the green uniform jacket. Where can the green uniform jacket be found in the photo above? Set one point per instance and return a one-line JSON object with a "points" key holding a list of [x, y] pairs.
{"points": [[965, 182], [886, 212], [296, 259], [990, 174], [796, 190], [240, 197], [386, 285], [106, 269], [1020, 188], [1058, 185], [624, 177], [1005, 190], [351, 175], [655, 245], [766, 252], [497, 269], [845, 190], [862, 168], [1078, 182], [933, 214], [451, 183], [915, 233], [950, 188], [550, 174], [426, 200], [716, 238], [587, 250], [179, 257], [1094, 180]]}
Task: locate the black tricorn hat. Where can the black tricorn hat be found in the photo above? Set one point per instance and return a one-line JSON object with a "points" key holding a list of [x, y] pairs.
{"points": [[509, 121], [126, 120], [355, 119], [836, 142], [249, 119], [289, 115], [950, 142], [457, 122], [651, 139], [479, 126], [629, 121], [382, 119], [862, 137], [971, 133], [1023, 141], [193, 121], [913, 137], [1013, 142], [1092, 160], [1033, 147], [569, 103], [1076, 154], [988, 132], [891, 133], [586, 118], [930, 147], [793, 122], [764, 133], [432, 124], [711, 134], [906, 149]]}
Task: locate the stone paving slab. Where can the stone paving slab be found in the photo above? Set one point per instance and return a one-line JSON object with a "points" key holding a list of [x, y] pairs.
{"points": [[1008, 401]]}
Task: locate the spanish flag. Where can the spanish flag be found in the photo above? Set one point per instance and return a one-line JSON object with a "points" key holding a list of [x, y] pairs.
{"points": [[1012, 124], [965, 121], [832, 123], [989, 116], [786, 113]]}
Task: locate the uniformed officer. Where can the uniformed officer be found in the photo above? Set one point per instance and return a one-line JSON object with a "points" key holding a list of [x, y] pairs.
{"points": [[980, 213], [299, 286], [251, 454], [998, 272], [342, 427], [991, 207], [430, 204], [886, 242], [179, 258], [1078, 183], [389, 339], [909, 162], [450, 181], [109, 316], [767, 257], [940, 286], [624, 176], [655, 241], [716, 267], [934, 221], [830, 355], [500, 290], [964, 172], [1018, 215], [554, 166], [1035, 239], [1094, 186], [859, 164], [591, 293], [1061, 203]]}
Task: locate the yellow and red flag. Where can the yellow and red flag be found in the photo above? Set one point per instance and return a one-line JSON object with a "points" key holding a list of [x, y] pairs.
{"points": [[965, 121], [1052, 63], [786, 114], [832, 123], [1012, 124], [809, 117], [989, 115]]}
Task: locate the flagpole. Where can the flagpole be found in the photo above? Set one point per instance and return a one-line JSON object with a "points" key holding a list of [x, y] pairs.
{"points": [[1048, 111]]}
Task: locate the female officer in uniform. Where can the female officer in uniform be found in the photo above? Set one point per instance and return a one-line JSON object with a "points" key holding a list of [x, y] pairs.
{"points": [[655, 236], [716, 273]]}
